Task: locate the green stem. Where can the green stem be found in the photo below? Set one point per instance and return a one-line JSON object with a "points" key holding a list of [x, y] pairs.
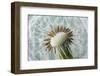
{"points": [[65, 52]]}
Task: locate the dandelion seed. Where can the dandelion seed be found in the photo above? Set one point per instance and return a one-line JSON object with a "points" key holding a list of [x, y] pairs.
{"points": [[58, 38]]}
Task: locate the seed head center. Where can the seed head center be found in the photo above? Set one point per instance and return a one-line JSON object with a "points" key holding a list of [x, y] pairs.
{"points": [[58, 39]]}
